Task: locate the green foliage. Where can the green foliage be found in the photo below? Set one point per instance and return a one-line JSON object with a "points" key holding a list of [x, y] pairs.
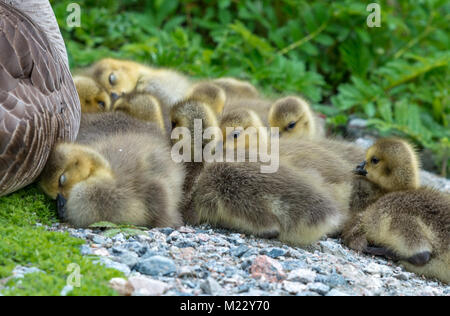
{"points": [[24, 242], [321, 49], [112, 229]]}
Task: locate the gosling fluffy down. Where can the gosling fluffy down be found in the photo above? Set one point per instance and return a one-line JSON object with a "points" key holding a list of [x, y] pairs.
{"points": [[120, 77], [400, 219], [291, 204], [124, 176]]}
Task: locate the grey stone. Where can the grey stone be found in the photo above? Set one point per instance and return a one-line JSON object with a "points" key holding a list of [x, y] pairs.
{"points": [[243, 288], [308, 294], [332, 280], [167, 231], [335, 292], [129, 258], [19, 272], [320, 288], [115, 265], [402, 276], [156, 265], [302, 275], [276, 252], [66, 290], [239, 251], [136, 247], [250, 253], [85, 250], [211, 287], [185, 244], [290, 265]]}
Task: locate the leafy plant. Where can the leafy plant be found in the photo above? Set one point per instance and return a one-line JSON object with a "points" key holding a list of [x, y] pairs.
{"points": [[112, 229]]}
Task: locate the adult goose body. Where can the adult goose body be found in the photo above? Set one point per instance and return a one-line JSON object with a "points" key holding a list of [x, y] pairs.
{"points": [[39, 106]]}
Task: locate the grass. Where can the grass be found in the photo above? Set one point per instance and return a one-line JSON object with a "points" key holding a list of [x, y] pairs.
{"points": [[23, 242]]}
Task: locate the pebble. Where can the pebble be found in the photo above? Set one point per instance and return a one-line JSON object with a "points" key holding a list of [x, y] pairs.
{"points": [[293, 287], [302, 275], [402, 276], [320, 288], [122, 286], [144, 286], [128, 258], [102, 252], [276, 252], [267, 268], [156, 265], [85, 250], [19, 272], [136, 247], [211, 287], [99, 240], [239, 251], [66, 290], [335, 292]]}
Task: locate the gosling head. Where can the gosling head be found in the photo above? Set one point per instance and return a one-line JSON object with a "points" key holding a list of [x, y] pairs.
{"points": [[210, 94], [293, 117], [237, 88], [70, 168], [188, 114], [117, 77], [93, 97], [391, 163], [241, 125]]}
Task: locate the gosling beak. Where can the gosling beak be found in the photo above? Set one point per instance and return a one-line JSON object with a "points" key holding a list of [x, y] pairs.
{"points": [[61, 206], [114, 97], [360, 169]]}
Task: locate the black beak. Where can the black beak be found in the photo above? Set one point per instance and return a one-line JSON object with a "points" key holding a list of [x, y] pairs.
{"points": [[61, 206], [360, 169]]}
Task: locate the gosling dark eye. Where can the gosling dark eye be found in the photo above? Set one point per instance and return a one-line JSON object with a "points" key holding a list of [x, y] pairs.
{"points": [[236, 134], [112, 79], [62, 180], [374, 160], [291, 126], [101, 104]]}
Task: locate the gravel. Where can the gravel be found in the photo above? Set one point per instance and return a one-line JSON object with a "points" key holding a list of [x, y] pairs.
{"points": [[227, 263]]}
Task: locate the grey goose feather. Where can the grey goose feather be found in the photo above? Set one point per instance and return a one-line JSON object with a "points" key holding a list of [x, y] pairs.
{"points": [[39, 105]]}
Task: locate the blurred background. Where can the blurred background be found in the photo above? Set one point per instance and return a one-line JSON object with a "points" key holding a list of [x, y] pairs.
{"points": [[395, 76]]}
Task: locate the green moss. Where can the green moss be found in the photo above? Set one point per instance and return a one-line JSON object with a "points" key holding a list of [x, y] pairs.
{"points": [[22, 242]]}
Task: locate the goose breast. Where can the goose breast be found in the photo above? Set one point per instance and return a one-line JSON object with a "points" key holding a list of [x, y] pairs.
{"points": [[39, 105]]}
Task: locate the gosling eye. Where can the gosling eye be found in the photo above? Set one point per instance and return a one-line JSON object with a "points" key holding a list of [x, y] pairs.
{"points": [[291, 126], [374, 160], [112, 79], [236, 134], [62, 180], [101, 104]]}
